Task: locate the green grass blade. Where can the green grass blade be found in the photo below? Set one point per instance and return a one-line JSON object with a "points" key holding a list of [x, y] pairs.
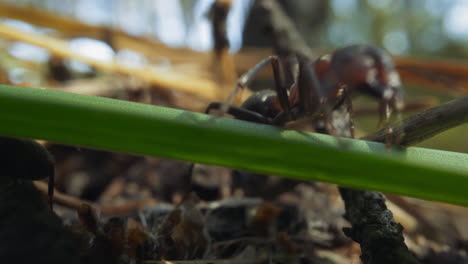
{"points": [[150, 130]]}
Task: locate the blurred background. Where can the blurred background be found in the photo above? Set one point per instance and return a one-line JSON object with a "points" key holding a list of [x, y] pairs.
{"points": [[422, 27]]}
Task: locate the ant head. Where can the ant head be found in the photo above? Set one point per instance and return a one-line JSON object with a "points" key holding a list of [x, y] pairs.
{"points": [[369, 70]]}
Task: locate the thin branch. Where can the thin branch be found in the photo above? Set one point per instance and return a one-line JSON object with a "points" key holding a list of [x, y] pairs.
{"points": [[124, 209], [285, 36], [414, 105], [425, 124], [223, 66], [206, 261], [218, 13], [446, 75]]}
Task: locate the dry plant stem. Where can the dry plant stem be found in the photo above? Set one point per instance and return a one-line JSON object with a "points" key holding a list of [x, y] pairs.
{"points": [[207, 261], [61, 198], [73, 203], [219, 11], [425, 124], [445, 75], [169, 79], [286, 38], [71, 28], [223, 62], [414, 105], [372, 223]]}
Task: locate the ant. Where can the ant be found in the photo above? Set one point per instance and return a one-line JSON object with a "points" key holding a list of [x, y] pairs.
{"points": [[320, 89]]}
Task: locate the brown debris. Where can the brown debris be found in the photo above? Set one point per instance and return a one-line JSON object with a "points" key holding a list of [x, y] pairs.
{"points": [[182, 235], [262, 223]]}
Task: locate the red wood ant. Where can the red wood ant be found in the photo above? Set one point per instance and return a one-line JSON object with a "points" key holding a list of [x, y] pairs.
{"points": [[321, 89]]}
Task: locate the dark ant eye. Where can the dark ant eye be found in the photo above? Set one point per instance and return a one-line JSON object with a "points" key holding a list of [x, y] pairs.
{"points": [[24, 159]]}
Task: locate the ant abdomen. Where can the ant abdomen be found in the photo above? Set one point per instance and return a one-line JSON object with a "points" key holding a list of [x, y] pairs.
{"points": [[264, 102]]}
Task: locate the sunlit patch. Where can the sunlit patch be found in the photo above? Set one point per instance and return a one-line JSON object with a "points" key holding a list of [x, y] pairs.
{"points": [[435, 7], [456, 21], [396, 42], [326, 57], [340, 33], [169, 22], [20, 25], [344, 7], [199, 34], [380, 4], [28, 52], [92, 48], [432, 39], [368, 62], [371, 77], [92, 12], [236, 21], [131, 58], [159, 63], [387, 60], [394, 79], [79, 66], [20, 76], [388, 94]]}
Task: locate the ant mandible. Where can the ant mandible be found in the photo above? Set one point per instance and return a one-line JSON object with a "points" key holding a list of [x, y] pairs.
{"points": [[320, 88]]}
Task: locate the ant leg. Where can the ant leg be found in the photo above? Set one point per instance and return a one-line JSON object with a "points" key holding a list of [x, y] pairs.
{"points": [[245, 79], [385, 113], [308, 82], [311, 89], [239, 113], [337, 120], [392, 137], [280, 87], [349, 111]]}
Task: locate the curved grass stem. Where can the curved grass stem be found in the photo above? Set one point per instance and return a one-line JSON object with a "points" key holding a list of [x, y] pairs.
{"points": [[164, 132]]}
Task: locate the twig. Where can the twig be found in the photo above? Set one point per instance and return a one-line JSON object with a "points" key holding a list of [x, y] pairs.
{"points": [[414, 105], [206, 261], [286, 38], [425, 124], [446, 75], [223, 62], [218, 13], [71, 202]]}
